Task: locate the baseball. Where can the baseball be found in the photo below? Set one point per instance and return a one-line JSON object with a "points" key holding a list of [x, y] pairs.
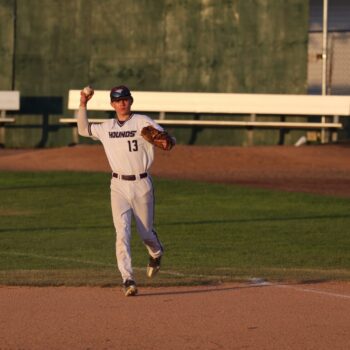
{"points": [[88, 90]]}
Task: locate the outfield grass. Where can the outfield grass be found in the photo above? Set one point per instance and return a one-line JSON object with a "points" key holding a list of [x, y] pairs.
{"points": [[56, 228]]}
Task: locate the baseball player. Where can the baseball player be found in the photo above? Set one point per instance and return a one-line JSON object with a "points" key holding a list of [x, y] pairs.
{"points": [[128, 141]]}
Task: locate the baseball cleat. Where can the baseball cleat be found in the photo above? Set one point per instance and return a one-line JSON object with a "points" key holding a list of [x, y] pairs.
{"points": [[153, 266], [129, 288]]}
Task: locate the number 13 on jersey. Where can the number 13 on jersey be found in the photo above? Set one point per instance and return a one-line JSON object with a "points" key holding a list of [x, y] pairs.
{"points": [[133, 146]]}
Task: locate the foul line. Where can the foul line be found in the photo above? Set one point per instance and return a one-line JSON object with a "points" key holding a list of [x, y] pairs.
{"points": [[97, 263], [89, 262], [301, 289]]}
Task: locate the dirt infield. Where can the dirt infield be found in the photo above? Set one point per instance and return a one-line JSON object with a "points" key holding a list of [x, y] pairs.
{"points": [[228, 316], [315, 169], [223, 317]]}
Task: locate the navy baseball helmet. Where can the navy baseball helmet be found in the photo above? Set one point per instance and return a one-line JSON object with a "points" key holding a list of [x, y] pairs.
{"points": [[120, 92]]}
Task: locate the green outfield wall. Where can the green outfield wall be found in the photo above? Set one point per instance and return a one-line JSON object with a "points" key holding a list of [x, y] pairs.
{"points": [[50, 46]]}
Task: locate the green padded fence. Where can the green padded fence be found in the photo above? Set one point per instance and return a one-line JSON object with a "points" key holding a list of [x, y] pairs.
{"points": [[50, 46]]}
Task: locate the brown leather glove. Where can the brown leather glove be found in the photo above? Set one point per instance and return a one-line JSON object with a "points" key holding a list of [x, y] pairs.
{"points": [[160, 139]]}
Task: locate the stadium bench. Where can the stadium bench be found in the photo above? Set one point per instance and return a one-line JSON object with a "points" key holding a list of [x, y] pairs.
{"points": [[253, 105], [9, 101]]}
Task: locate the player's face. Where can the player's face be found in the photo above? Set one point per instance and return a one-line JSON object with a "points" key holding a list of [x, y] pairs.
{"points": [[122, 107]]}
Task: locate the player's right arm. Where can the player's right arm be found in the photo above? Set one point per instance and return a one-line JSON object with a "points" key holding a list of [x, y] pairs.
{"points": [[83, 123]]}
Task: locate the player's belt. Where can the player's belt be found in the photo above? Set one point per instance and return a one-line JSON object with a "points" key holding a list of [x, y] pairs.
{"points": [[129, 177]]}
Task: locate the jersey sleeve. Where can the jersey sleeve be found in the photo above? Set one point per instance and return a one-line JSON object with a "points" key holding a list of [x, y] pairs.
{"points": [[95, 130], [149, 121]]}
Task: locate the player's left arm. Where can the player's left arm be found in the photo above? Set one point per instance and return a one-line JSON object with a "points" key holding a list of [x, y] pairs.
{"points": [[165, 141]]}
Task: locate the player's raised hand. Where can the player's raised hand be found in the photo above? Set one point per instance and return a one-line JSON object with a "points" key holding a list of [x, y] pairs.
{"points": [[85, 95]]}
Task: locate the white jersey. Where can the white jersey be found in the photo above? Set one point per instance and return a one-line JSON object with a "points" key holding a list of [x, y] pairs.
{"points": [[127, 151]]}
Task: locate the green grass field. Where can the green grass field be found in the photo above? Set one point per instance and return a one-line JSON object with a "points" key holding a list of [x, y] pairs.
{"points": [[56, 228]]}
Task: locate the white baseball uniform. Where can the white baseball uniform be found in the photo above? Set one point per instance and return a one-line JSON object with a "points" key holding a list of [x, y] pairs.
{"points": [[130, 157]]}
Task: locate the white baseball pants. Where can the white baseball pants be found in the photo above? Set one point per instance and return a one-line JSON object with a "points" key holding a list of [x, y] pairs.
{"points": [[133, 198]]}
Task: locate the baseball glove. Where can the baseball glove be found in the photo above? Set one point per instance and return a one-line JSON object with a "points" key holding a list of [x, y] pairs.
{"points": [[160, 139]]}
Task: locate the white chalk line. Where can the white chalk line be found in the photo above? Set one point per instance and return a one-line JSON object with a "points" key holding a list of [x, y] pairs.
{"points": [[57, 258], [98, 263], [88, 262], [316, 291]]}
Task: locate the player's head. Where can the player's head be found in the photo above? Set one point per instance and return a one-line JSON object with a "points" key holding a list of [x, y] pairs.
{"points": [[120, 92]]}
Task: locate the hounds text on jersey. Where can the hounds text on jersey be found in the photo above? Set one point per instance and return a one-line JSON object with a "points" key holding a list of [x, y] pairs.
{"points": [[116, 134]]}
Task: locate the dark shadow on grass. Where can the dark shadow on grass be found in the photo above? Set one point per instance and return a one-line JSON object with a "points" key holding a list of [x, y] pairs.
{"points": [[206, 290], [203, 222], [210, 222], [47, 229], [13, 188], [51, 186]]}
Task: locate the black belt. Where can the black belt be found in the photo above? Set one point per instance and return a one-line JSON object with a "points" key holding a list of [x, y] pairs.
{"points": [[129, 177]]}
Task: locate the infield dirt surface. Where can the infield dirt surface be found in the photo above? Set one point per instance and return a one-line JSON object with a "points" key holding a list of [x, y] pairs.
{"points": [[314, 169], [227, 316]]}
